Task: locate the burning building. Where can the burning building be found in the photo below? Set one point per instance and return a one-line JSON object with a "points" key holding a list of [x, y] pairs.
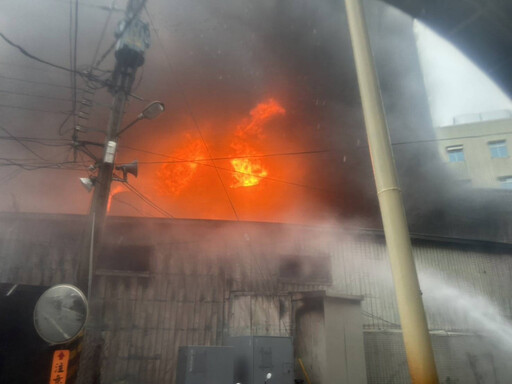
{"points": [[163, 283]]}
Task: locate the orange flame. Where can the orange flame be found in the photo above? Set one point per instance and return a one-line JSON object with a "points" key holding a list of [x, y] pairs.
{"points": [[176, 175], [114, 191], [250, 171], [260, 115]]}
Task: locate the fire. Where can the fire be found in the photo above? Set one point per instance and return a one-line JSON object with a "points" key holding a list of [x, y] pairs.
{"points": [[114, 191], [249, 172], [260, 115], [176, 175], [248, 169]]}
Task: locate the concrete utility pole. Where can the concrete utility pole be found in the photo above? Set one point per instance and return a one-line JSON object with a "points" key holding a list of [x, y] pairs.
{"points": [[103, 182], [133, 39], [418, 347]]}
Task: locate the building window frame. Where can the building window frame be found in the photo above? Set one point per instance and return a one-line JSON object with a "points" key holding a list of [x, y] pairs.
{"points": [[456, 153], [498, 149]]}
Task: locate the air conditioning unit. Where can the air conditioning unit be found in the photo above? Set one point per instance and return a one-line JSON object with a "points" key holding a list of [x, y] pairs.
{"points": [[258, 356], [205, 365]]}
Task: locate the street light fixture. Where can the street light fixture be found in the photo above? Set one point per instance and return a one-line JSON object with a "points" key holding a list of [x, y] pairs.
{"points": [[151, 111]]}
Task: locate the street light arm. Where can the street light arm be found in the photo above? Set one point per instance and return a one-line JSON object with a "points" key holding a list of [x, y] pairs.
{"points": [[151, 111], [137, 119]]}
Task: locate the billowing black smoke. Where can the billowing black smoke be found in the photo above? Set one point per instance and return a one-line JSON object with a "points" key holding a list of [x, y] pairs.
{"points": [[215, 58]]}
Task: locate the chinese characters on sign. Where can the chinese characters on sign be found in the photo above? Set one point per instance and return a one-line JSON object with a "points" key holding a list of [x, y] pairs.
{"points": [[59, 367]]}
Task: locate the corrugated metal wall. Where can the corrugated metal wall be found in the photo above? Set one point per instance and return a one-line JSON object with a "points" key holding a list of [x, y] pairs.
{"points": [[361, 267], [460, 359], [207, 279]]}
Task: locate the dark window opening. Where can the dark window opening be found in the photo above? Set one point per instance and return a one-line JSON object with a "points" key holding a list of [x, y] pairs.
{"points": [[306, 269], [125, 258]]}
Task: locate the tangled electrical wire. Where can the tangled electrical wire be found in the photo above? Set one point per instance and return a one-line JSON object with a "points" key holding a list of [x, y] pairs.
{"points": [[86, 74], [34, 164]]}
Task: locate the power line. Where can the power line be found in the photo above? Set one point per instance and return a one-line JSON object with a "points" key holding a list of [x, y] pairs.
{"points": [[34, 109], [191, 113], [23, 160], [21, 143], [31, 162], [297, 153], [148, 201], [102, 36], [27, 67], [26, 53], [55, 167], [201, 162], [33, 95], [94, 6], [71, 75], [32, 166], [89, 85], [254, 175], [9, 92], [16, 172], [41, 139], [38, 141], [271, 179], [38, 82], [128, 204], [86, 75], [73, 54], [36, 168], [75, 47], [35, 140], [314, 151], [63, 123], [87, 152]]}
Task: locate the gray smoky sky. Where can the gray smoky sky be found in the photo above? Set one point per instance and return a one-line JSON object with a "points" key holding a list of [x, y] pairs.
{"points": [[213, 60]]}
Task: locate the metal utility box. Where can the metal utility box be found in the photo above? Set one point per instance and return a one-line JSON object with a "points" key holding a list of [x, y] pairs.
{"points": [[205, 365], [255, 356]]}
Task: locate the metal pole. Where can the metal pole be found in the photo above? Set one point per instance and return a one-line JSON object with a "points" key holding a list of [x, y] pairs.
{"points": [[91, 255], [420, 357]]}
